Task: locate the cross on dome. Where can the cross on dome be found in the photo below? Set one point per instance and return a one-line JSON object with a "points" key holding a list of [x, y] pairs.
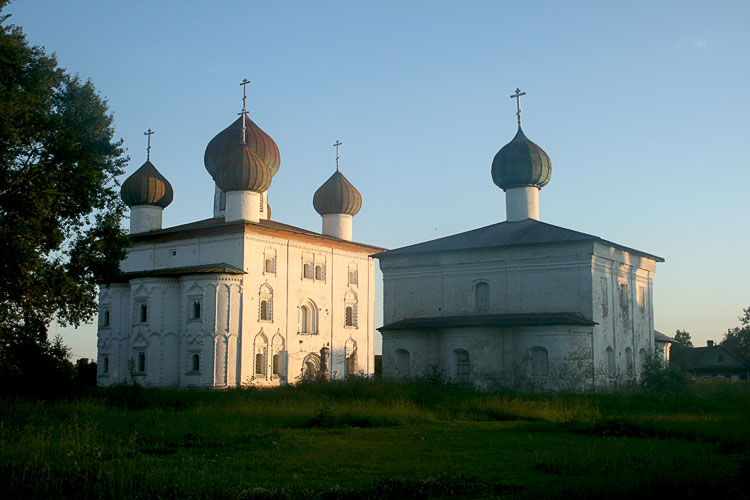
{"points": [[148, 134], [338, 143], [245, 82], [517, 96]]}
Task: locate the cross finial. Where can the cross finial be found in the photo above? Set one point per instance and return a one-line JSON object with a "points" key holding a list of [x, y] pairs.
{"points": [[517, 96], [338, 143], [244, 85], [148, 134]]}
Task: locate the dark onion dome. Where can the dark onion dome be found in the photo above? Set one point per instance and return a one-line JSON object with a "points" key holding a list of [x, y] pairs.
{"points": [[229, 139], [337, 196], [242, 170], [521, 163], [147, 187]]}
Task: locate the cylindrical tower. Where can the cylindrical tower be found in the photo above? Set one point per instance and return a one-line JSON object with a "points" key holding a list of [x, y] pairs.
{"points": [[147, 192]]}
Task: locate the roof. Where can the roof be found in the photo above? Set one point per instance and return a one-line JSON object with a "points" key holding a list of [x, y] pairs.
{"points": [[217, 226], [221, 268], [507, 234], [522, 319], [660, 337], [690, 358]]}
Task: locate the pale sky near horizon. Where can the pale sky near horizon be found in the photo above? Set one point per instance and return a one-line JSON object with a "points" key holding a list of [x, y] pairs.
{"points": [[642, 106]]}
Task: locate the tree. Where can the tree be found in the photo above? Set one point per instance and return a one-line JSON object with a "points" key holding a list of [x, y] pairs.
{"points": [[738, 338], [60, 211], [682, 339]]}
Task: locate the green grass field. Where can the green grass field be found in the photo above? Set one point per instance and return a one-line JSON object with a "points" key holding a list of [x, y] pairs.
{"points": [[375, 439]]}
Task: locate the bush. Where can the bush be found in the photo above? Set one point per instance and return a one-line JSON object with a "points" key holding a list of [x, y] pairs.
{"points": [[658, 377]]}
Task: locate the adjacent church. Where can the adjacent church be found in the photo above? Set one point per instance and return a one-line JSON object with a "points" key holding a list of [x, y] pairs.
{"points": [[519, 304], [238, 299]]}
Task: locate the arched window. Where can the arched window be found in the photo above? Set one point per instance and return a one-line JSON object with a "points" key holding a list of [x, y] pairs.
{"points": [[265, 304], [307, 271], [350, 353], [141, 363], [196, 362], [269, 265], [539, 362], [105, 365], [403, 363], [610, 360], [349, 313], [275, 368], [264, 310], [353, 276], [462, 367], [311, 367], [350, 309], [196, 309], [483, 296], [143, 313], [259, 364], [318, 272], [304, 322], [629, 361], [105, 317], [308, 317]]}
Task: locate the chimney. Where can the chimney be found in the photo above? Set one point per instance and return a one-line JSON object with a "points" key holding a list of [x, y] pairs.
{"points": [[710, 343]]}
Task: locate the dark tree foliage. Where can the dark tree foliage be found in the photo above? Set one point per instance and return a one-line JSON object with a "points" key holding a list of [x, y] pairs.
{"points": [[738, 338], [683, 340], [59, 207]]}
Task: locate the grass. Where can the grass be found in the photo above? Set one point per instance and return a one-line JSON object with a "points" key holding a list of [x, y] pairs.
{"points": [[376, 439]]}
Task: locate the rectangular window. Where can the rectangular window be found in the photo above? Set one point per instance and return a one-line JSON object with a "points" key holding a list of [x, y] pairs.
{"points": [[642, 297], [605, 298], [105, 317]]}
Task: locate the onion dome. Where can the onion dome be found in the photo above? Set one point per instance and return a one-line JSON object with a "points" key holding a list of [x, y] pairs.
{"points": [[241, 169], [229, 139], [521, 163], [147, 187], [337, 196]]}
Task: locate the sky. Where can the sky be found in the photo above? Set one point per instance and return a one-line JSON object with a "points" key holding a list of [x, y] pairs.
{"points": [[642, 107]]}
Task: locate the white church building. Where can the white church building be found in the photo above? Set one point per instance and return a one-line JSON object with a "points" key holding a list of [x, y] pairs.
{"points": [[238, 299], [519, 304]]}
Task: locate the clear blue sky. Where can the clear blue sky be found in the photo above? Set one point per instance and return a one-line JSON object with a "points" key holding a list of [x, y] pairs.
{"points": [[642, 106]]}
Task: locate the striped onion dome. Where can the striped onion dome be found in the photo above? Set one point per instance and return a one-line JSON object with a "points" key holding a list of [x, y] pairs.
{"points": [[229, 139], [241, 169], [521, 163], [147, 187], [337, 196]]}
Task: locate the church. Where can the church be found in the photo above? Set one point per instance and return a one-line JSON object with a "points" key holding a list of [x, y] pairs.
{"points": [[520, 304], [238, 299]]}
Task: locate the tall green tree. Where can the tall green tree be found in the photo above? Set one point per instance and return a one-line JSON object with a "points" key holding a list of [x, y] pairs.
{"points": [[683, 340], [60, 212], [738, 338]]}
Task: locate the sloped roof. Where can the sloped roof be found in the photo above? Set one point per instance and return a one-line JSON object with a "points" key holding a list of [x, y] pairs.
{"points": [[660, 337], [220, 268], [507, 234], [521, 319], [694, 357]]}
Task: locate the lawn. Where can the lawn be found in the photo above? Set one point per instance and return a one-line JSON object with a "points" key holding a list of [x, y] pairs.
{"points": [[376, 439]]}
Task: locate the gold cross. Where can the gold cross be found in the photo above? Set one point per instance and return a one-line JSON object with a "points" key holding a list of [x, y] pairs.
{"points": [[517, 96], [148, 134], [338, 143]]}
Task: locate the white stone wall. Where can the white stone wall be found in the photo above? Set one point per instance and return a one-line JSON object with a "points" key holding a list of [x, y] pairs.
{"points": [[583, 278], [229, 332]]}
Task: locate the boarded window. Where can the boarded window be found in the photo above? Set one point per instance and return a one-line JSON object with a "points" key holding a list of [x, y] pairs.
{"points": [[461, 359], [611, 366], [483, 296], [539, 362]]}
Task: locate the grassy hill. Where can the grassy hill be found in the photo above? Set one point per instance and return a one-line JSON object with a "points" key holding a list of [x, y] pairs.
{"points": [[376, 439]]}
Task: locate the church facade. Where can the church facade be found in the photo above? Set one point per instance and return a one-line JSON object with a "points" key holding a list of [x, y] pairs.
{"points": [[519, 304], [238, 299]]}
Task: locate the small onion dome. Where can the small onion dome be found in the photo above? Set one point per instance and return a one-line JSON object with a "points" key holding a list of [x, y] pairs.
{"points": [[337, 196], [147, 187], [230, 138], [242, 170], [521, 163]]}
